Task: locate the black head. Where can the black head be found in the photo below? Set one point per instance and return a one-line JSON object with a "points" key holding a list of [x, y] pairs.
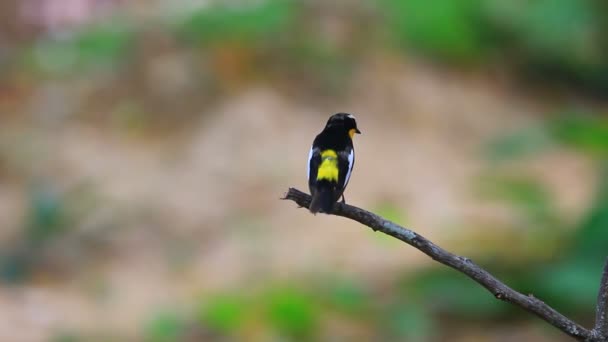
{"points": [[343, 121]]}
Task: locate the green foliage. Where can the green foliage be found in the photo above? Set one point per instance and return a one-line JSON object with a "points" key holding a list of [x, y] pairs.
{"points": [[293, 313], [554, 31], [103, 45], [554, 283], [46, 219], [224, 313], [270, 36], [14, 266], [577, 267], [349, 297], [562, 29], [554, 38], [51, 215], [446, 28], [583, 131], [450, 292], [46, 215], [408, 322], [165, 327], [245, 22], [591, 239], [286, 310]]}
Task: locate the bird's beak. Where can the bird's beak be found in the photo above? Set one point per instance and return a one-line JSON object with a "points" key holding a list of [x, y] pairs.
{"points": [[357, 131]]}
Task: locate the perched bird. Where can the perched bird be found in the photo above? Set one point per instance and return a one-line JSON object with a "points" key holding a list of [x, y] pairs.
{"points": [[330, 162]]}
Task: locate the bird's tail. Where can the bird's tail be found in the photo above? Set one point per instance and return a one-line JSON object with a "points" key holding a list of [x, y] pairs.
{"points": [[322, 201]]}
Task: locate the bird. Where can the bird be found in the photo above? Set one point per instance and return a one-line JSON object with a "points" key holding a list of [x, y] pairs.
{"points": [[330, 162]]}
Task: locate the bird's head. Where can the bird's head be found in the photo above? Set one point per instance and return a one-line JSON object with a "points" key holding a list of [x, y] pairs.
{"points": [[344, 121]]}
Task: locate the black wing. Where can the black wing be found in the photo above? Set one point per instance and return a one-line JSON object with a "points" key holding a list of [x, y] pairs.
{"points": [[346, 160]]}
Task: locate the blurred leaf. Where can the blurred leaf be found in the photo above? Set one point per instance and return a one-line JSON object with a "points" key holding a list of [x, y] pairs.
{"points": [[558, 30], [103, 44], [518, 144], [293, 313], [591, 239], [410, 321], [526, 195], [446, 28], [54, 57], [576, 269], [15, 266], [583, 131], [451, 292], [554, 283], [224, 313], [46, 215], [556, 39], [165, 327], [350, 297], [242, 22], [92, 47]]}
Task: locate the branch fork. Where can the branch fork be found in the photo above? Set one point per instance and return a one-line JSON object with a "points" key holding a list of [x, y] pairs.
{"points": [[501, 291]]}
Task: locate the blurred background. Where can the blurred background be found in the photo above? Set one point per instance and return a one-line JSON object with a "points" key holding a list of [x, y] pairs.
{"points": [[144, 146]]}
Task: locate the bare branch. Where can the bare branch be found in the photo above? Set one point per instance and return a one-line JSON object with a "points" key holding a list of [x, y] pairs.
{"points": [[600, 331], [464, 265]]}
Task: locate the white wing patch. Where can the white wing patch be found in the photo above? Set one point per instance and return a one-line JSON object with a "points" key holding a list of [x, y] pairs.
{"points": [[351, 162], [308, 165]]}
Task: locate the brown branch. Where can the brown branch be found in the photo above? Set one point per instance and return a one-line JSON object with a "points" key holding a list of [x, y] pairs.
{"points": [[466, 266], [600, 331]]}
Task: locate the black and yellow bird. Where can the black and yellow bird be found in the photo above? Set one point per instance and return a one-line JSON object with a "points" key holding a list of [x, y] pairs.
{"points": [[330, 162]]}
